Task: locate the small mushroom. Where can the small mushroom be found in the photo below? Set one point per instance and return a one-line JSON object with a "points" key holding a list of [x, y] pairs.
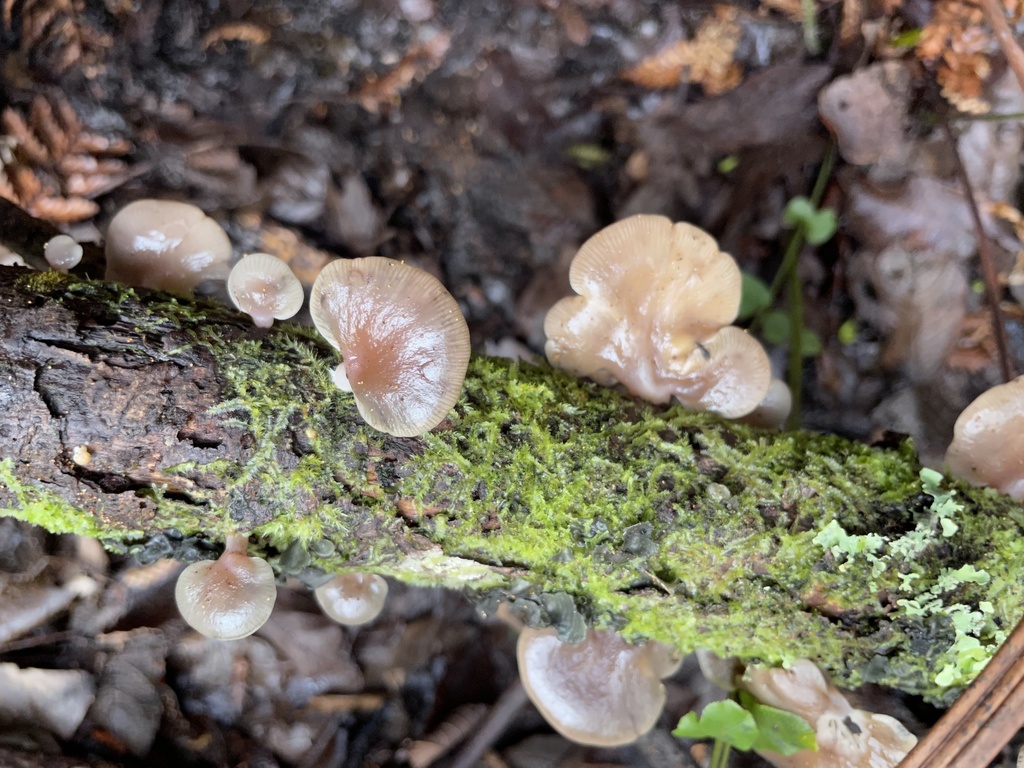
{"points": [[404, 341], [265, 288], [847, 737], [230, 597], [602, 691], [772, 412], [654, 312], [352, 598], [62, 253], [988, 440], [166, 245]]}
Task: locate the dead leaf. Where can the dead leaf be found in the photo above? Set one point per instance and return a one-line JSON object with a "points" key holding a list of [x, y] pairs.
{"points": [[54, 699]]}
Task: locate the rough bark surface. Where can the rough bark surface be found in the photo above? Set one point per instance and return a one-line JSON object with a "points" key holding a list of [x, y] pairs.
{"points": [[160, 425]]}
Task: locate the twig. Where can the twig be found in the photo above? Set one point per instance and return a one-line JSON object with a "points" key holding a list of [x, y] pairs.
{"points": [[504, 710], [988, 269], [983, 719], [1011, 48]]}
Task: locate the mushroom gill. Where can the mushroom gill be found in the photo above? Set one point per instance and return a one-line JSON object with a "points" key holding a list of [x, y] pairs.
{"points": [[404, 341]]}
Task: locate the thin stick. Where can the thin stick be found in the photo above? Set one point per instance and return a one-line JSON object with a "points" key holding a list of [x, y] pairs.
{"points": [[1011, 48], [988, 268], [983, 719]]}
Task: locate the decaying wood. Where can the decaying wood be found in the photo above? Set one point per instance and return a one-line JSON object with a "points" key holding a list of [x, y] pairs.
{"points": [[159, 425]]}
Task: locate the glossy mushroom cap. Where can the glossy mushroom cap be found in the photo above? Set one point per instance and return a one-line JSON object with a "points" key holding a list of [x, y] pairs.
{"points": [[404, 341], [988, 440], [230, 597], [62, 253], [265, 288], [847, 737], [654, 312], [166, 245], [352, 598], [602, 691]]}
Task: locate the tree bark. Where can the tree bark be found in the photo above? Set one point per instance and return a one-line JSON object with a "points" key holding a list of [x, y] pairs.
{"points": [[160, 425]]}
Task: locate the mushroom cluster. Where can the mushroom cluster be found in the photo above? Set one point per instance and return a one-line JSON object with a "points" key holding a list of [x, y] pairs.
{"points": [[352, 598], [166, 245], [403, 338], [988, 440], [228, 598], [602, 691], [847, 737], [654, 314], [265, 288]]}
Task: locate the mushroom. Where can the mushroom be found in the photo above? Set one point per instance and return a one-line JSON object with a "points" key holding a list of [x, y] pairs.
{"points": [[352, 598], [988, 440], [264, 288], [847, 737], [166, 245], [773, 410], [62, 253], [230, 597], [404, 341], [10, 258], [654, 312], [602, 691]]}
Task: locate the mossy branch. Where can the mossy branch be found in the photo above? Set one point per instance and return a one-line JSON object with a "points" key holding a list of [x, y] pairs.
{"points": [[156, 424]]}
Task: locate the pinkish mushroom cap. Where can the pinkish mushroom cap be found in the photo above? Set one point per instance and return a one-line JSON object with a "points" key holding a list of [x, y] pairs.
{"points": [[265, 288], [602, 691], [654, 312], [228, 598], [404, 341], [352, 598], [166, 245], [847, 737], [988, 440]]}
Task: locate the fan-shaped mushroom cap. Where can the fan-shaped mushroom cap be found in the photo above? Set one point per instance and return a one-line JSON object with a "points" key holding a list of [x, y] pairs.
{"points": [[847, 737], [227, 598], [988, 440], [265, 288], [62, 253], [165, 245], [656, 300], [352, 598], [602, 691], [403, 338]]}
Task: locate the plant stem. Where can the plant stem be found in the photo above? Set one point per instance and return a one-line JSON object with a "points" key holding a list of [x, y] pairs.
{"points": [[810, 22], [719, 754]]}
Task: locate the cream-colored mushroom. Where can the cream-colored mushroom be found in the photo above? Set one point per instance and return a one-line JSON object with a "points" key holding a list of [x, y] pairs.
{"points": [[265, 288], [773, 410], [654, 312], [602, 692], [62, 253], [352, 598], [166, 245], [988, 440], [230, 597], [10, 258], [847, 737], [404, 341]]}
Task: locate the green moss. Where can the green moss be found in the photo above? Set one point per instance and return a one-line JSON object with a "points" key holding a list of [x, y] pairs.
{"points": [[48, 510], [661, 523]]}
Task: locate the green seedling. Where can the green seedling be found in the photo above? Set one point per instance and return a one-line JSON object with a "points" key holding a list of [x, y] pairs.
{"points": [[744, 725]]}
